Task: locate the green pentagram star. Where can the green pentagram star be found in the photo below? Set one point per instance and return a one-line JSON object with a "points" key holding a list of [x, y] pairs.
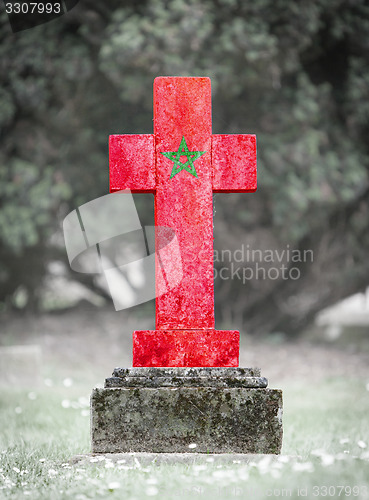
{"points": [[175, 156]]}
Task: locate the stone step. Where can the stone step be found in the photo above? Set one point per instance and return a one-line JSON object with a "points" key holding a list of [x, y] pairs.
{"points": [[173, 381]]}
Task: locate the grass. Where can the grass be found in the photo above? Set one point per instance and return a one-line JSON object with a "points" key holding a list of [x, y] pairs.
{"points": [[325, 451]]}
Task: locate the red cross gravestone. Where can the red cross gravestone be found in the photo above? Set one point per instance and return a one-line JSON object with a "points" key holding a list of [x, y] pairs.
{"points": [[185, 391], [183, 164]]}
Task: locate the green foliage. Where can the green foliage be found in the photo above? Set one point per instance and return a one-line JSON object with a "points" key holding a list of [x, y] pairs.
{"points": [[31, 198], [259, 57], [294, 73]]}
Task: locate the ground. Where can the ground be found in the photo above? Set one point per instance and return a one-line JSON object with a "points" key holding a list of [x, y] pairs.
{"points": [[326, 403], [88, 342]]}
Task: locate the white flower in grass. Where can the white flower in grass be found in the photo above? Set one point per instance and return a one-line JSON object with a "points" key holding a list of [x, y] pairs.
{"points": [[275, 473], [341, 456], [85, 413], [303, 467], [65, 403], [277, 465], [243, 474], [199, 467], [264, 464], [219, 474], [152, 491], [344, 440], [84, 402], [42, 460], [52, 472], [121, 461], [18, 410], [206, 479], [67, 382], [94, 459], [15, 469], [109, 465], [318, 453], [114, 485], [210, 459], [152, 480], [361, 444], [192, 446], [124, 467], [327, 460]]}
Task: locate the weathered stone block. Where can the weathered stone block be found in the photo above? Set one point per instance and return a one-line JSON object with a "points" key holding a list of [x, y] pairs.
{"points": [[159, 419]]}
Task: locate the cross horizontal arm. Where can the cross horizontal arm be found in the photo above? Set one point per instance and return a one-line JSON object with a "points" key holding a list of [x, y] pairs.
{"points": [[234, 163], [132, 163]]}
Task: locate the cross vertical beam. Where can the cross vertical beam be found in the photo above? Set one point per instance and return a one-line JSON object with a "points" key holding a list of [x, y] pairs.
{"points": [[182, 108]]}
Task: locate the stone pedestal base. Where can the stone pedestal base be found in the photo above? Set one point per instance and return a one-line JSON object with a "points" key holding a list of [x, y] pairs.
{"points": [[170, 410]]}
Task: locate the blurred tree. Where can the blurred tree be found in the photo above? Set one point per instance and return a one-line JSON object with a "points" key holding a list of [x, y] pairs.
{"points": [[296, 74]]}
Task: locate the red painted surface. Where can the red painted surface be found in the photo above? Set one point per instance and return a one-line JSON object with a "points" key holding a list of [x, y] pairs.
{"points": [[182, 108], [234, 163], [183, 181], [132, 163], [185, 348]]}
